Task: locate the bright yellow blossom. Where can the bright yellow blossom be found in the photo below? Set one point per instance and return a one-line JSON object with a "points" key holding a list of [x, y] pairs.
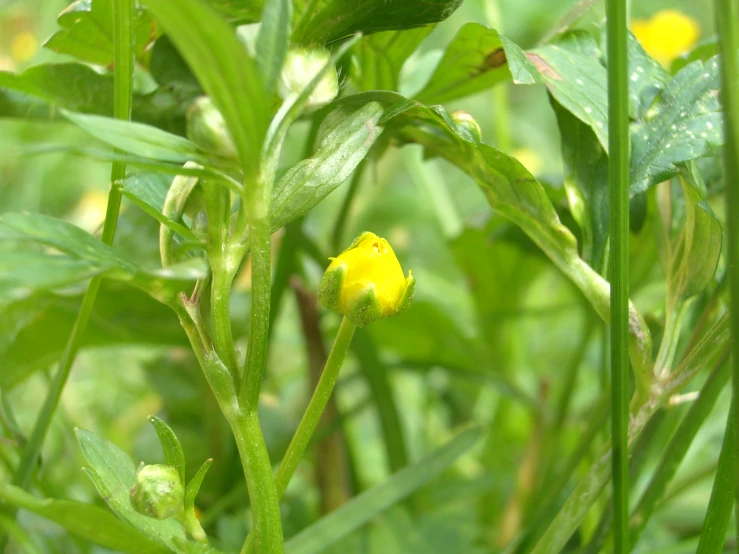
{"points": [[666, 35], [366, 282]]}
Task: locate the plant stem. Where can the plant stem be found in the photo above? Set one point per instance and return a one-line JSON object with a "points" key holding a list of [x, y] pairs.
{"points": [[123, 79], [312, 414], [727, 14], [618, 182]]}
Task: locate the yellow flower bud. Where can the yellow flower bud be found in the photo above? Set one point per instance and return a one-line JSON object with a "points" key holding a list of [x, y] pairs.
{"points": [[366, 282], [666, 35]]}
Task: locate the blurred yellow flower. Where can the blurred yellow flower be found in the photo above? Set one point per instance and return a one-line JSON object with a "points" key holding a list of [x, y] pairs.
{"points": [[666, 35], [23, 47], [366, 282]]}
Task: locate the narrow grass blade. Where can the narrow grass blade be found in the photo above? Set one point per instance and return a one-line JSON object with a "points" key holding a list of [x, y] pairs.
{"points": [[359, 511], [722, 496]]}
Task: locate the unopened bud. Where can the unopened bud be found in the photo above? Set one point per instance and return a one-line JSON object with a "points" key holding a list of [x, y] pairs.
{"points": [[207, 128], [158, 492], [300, 68]]}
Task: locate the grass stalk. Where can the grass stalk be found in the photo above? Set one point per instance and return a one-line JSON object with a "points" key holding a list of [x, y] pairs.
{"points": [[618, 182], [727, 16]]}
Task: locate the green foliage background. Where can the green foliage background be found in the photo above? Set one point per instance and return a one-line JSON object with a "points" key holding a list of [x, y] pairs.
{"points": [[496, 335]]}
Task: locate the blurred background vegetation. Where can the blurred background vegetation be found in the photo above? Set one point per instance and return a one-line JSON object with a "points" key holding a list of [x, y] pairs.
{"points": [[496, 334]]}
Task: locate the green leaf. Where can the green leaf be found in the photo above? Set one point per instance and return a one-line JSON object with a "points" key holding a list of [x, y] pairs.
{"points": [[647, 79], [86, 521], [331, 20], [381, 57], [79, 88], [193, 487], [138, 139], [345, 143], [34, 330], [680, 126], [586, 183], [476, 59], [273, 41], [572, 72], [22, 273], [148, 190], [171, 447], [697, 249], [224, 69], [364, 507], [239, 12], [721, 505], [162, 284], [87, 32], [113, 473]]}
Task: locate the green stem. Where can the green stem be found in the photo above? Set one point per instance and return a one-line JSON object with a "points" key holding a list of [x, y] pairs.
{"points": [[123, 79], [727, 14], [618, 182], [312, 414]]}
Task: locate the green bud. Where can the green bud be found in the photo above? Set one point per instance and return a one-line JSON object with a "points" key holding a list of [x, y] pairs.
{"points": [[158, 492], [207, 128], [300, 68], [467, 125]]}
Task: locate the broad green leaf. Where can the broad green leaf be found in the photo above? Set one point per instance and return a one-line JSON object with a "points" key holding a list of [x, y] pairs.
{"points": [[572, 72], [721, 505], [273, 41], [381, 57], [647, 78], [33, 331], [170, 70], [586, 183], [87, 32], [224, 69], [171, 447], [703, 51], [113, 473], [22, 273], [345, 144], [138, 139], [364, 507], [77, 87], [476, 59], [680, 126], [86, 521], [162, 284], [332, 20]]}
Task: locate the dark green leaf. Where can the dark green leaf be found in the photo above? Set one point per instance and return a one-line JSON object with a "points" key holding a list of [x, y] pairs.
{"points": [[572, 72], [331, 20], [34, 330], [381, 57], [679, 127], [171, 447], [79, 88], [346, 142], [647, 79], [224, 69], [138, 139], [364, 507], [476, 59], [273, 40], [113, 473], [586, 183], [239, 11], [87, 32], [86, 521]]}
